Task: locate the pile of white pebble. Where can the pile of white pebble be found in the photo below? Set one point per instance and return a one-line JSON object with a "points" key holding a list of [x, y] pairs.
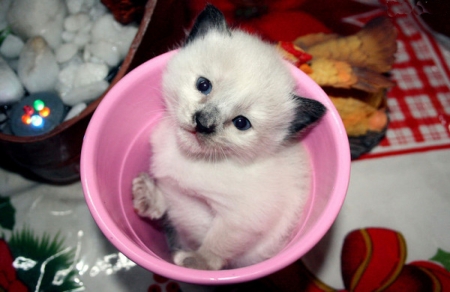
{"points": [[63, 46]]}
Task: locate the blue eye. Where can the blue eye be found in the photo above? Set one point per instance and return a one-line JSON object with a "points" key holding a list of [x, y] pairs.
{"points": [[242, 123], [204, 85]]}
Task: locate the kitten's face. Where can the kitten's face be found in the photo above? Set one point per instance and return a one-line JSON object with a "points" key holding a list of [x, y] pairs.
{"points": [[229, 96]]}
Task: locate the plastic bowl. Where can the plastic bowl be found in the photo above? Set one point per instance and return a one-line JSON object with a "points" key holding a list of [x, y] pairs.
{"points": [[116, 149]]}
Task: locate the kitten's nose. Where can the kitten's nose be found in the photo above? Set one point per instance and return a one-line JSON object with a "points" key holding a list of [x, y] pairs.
{"points": [[204, 123]]}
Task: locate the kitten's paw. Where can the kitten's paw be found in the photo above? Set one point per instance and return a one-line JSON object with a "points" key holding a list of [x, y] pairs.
{"points": [[194, 260], [147, 200]]}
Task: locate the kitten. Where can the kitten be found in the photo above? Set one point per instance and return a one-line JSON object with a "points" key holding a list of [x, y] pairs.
{"points": [[227, 168]]}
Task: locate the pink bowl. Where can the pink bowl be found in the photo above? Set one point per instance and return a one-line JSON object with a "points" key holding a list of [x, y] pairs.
{"points": [[115, 149]]}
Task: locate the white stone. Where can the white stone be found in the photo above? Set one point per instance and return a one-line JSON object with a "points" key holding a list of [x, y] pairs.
{"points": [[4, 7], [67, 75], [13, 64], [96, 60], [11, 89], [85, 93], [81, 39], [68, 36], [62, 89], [74, 6], [88, 4], [75, 60], [65, 79], [66, 52], [86, 55], [108, 29], [97, 11], [76, 79], [75, 111], [128, 35], [11, 47], [37, 68], [76, 22], [77, 6], [86, 27], [105, 51], [29, 18], [88, 73]]}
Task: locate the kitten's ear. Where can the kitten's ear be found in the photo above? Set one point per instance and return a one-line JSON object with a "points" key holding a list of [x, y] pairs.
{"points": [[209, 18], [308, 112]]}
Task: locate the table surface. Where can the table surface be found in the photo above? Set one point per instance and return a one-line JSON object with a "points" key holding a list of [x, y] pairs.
{"points": [[398, 195]]}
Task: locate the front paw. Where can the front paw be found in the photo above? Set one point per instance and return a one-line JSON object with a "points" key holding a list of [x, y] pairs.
{"points": [[147, 199], [195, 260]]}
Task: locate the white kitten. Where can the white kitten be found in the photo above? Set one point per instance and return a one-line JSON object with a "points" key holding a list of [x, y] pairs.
{"points": [[227, 167]]}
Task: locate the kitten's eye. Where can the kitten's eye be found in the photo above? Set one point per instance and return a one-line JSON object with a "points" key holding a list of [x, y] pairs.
{"points": [[242, 123], [204, 85]]}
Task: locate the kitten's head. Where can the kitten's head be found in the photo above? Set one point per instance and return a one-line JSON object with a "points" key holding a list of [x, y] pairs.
{"points": [[229, 94]]}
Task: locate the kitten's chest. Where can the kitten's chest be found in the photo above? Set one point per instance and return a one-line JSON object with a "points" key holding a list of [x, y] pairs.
{"points": [[192, 175], [196, 177], [226, 182]]}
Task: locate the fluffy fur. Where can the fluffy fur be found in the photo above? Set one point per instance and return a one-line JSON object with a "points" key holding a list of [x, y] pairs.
{"points": [[232, 191]]}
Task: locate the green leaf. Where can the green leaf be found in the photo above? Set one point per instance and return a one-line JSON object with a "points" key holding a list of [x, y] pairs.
{"points": [[443, 258], [7, 213]]}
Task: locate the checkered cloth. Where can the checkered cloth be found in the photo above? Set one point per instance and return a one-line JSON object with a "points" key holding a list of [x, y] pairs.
{"points": [[419, 106]]}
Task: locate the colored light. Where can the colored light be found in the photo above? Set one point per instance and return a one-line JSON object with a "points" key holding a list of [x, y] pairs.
{"points": [[26, 119], [38, 104], [45, 112], [37, 121], [28, 110]]}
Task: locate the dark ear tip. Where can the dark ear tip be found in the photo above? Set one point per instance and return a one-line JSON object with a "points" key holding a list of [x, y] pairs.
{"points": [[213, 13], [211, 8], [320, 108], [308, 112], [210, 18], [315, 108]]}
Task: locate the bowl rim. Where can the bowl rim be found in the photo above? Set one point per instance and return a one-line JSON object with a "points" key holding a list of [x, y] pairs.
{"points": [[159, 266]]}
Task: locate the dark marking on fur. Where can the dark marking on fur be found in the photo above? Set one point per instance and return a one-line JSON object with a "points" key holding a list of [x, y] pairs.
{"points": [[209, 18], [206, 120], [308, 112]]}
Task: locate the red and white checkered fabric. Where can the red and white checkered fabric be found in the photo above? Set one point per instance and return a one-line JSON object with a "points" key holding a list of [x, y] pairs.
{"points": [[419, 105]]}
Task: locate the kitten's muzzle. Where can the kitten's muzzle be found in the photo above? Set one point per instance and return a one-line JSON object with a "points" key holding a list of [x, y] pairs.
{"points": [[204, 122]]}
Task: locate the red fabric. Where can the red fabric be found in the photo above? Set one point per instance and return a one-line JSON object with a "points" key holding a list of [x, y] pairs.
{"points": [[277, 21], [372, 258], [411, 279], [8, 280], [289, 25], [420, 103], [439, 276], [229, 6]]}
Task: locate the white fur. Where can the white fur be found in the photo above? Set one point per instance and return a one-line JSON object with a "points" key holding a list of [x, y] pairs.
{"points": [[234, 197]]}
